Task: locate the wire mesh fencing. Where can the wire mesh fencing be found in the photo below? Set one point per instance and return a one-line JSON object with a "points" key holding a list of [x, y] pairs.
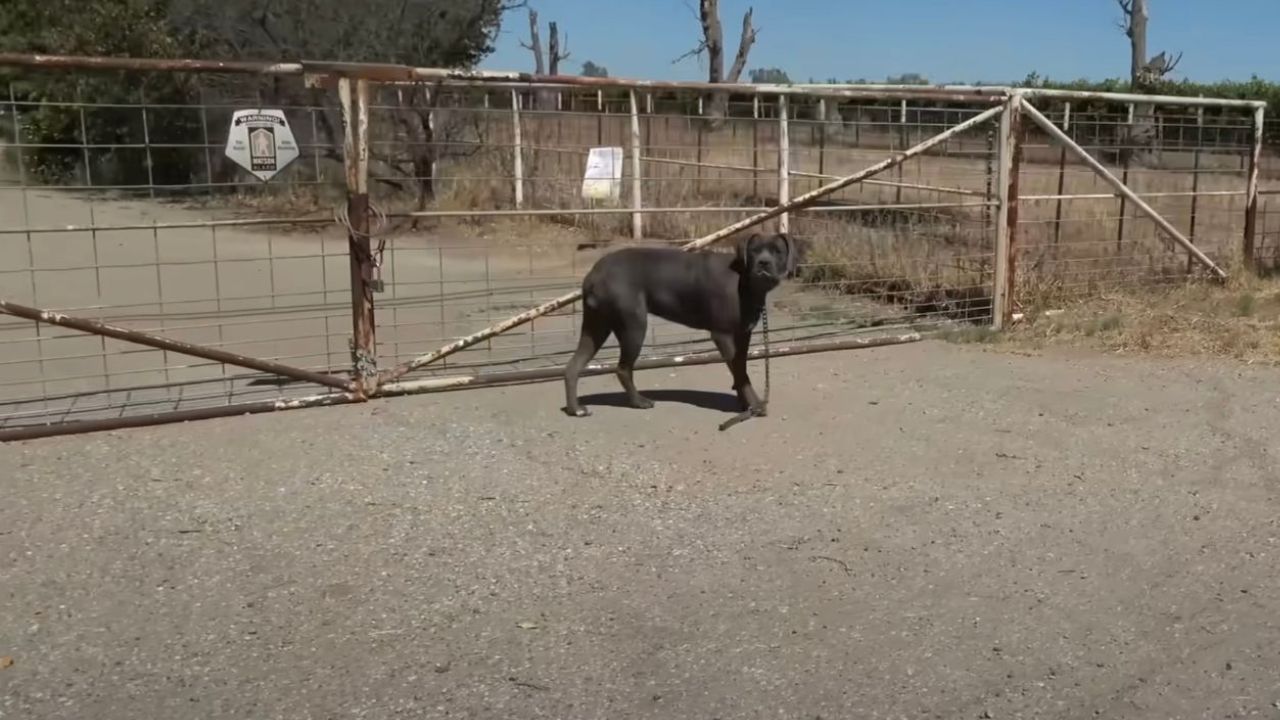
{"points": [[488, 197], [120, 207], [1079, 236]]}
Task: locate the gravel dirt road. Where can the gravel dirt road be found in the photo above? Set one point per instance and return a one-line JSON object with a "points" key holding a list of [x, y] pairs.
{"points": [[920, 531]]}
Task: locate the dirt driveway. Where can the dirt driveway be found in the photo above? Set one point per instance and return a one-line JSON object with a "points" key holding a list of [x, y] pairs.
{"points": [[919, 531]]}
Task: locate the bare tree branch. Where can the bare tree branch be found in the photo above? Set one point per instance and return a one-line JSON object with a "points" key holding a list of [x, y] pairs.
{"points": [[696, 52], [535, 43], [554, 53], [1126, 20], [744, 46]]}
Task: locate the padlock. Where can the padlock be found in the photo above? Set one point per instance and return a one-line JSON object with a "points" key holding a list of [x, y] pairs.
{"points": [[375, 282]]}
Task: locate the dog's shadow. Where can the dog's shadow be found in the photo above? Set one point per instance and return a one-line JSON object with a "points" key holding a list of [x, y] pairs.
{"points": [[723, 402]]}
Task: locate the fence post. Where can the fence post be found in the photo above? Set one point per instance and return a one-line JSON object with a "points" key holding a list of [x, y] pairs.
{"points": [[1010, 149], [637, 218], [146, 143], [700, 130], [1127, 148], [1251, 191], [822, 136], [355, 155], [517, 149], [902, 139], [784, 163], [1195, 185], [755, 147], [1062, 181]]}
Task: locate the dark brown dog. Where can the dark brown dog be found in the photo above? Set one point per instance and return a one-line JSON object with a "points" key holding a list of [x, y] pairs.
{"points": [[718, 292]]}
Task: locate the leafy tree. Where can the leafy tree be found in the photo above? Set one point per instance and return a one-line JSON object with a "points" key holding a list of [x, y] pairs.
{"points": [[907, 79], [133, 28], [590, 69], [769, 76], [440, 33]]}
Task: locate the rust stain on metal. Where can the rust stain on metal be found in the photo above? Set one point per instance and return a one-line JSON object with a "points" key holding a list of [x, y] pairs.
{"points": [[1031, 93], [1017, 138], [376, 72], [143, 338], [355, 118], [75, 62], [33, 432], [392, 73]]}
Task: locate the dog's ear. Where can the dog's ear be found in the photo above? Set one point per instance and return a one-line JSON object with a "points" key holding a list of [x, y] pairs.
{"points": [[740, 253], [795, 253]]}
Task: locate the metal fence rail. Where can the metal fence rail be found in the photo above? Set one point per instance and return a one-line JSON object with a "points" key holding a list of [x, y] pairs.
{"points": [[429, 209]]}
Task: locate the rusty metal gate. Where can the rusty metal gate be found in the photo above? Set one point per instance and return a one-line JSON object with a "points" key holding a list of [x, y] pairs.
{"points": [[433, 231]]}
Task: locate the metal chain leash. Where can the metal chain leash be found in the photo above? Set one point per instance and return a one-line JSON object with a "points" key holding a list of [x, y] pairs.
{"points": [[764, 322]]}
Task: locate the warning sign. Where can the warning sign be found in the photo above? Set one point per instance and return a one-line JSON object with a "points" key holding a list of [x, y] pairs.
{"points": [[603, 177], [261, 142]]}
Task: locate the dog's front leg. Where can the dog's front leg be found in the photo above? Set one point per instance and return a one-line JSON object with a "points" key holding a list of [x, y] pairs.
{"points": [[742, 350], [734, 349]]}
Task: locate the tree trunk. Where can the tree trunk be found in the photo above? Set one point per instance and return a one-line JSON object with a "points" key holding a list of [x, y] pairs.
{"points": [[713, 35], [535, 43], [553, 50], [1139, 133], [1137, 32]]}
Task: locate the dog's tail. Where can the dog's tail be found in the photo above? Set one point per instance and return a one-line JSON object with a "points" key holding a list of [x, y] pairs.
{"points": [[590, 293]]}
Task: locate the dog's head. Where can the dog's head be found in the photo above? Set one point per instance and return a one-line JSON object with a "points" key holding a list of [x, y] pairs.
{"points": [[765, 260]]}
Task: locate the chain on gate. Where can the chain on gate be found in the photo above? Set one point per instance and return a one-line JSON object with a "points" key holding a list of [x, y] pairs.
{"points": [[364, 364]]}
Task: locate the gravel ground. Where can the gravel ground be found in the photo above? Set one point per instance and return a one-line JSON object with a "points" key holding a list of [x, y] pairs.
{"points": [[919, 531]]}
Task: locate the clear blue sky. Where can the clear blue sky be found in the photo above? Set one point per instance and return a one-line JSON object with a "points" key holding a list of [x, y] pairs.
{"points": [[944, 40]]}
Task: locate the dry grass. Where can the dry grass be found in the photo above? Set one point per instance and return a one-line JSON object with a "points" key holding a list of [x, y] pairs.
{"points": [[1240, 320]]}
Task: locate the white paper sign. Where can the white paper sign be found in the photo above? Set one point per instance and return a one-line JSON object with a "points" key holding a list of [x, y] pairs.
{"points": [[261, 142], [603, 178]]}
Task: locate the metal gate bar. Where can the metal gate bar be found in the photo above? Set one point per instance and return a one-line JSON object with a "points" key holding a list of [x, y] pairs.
{"points": [[95, 327]]}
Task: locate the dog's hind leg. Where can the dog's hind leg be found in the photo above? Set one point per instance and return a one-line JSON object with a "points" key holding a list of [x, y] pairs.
{"points": [[631, 333], [595, 331]]}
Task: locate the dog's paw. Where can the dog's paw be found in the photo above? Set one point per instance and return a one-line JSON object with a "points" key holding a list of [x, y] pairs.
{"points": [[580, 412], [642, 403]]}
